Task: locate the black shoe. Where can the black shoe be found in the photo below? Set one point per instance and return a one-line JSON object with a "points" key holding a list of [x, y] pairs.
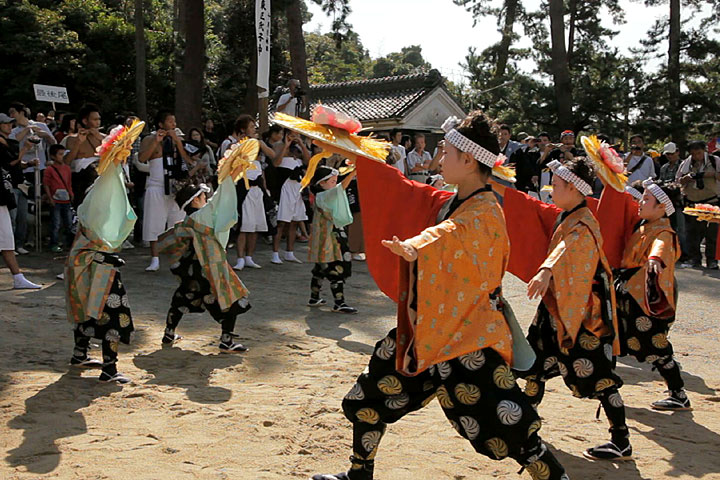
{"points": [[676, 402], [170, 338], [344, 309], [86, 362], [712, 265], [117, 378], [232, 347], [609, 451], [316, 302], [325, 476]]}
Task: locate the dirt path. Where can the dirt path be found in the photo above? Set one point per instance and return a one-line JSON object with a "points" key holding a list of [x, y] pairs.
{"points": [[274, 412]]}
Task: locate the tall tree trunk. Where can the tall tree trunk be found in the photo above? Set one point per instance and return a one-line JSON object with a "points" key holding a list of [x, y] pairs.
{"points": [[251, 95], [298, 58], [676, 118], [559, 65], [571, 30], [140, 66], [510, 7], [190, 76]]}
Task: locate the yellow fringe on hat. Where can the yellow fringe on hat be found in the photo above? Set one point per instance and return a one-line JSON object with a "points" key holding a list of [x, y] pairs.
{"points": [[312, 167], [238, 159], [117, 146], [506, 173], [333, 140], [592, 146]]}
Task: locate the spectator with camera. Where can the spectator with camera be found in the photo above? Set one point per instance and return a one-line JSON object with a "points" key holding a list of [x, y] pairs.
{"points": [[638, 165], [165, 153], [37, 134], [563, 152], [698, 176], [292, 103]]}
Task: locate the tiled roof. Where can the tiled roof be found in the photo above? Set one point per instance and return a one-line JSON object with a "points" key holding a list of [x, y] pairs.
{"points": [[378, 98]]}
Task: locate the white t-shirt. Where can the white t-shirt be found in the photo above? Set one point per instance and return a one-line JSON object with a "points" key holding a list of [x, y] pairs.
{"points": [[41, 147], [645, 171], [414, 159], [400, 164], [290, 107], [225, 145]]}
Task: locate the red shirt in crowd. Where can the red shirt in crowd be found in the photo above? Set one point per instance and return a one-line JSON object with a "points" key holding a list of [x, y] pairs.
{"points": [[58, 176]]}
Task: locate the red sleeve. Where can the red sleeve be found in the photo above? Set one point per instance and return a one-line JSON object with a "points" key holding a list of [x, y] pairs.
{"points": [[392, 205], [51, 180], [530, 225], [617, 214]]}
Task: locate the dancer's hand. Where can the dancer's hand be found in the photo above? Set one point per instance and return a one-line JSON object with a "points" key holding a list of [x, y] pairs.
{"points": [[539, 284], [655, 266], [401, 249]]}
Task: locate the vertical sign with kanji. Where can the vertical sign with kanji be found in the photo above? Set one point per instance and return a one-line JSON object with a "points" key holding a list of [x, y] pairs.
{"points": [[262, 28]]}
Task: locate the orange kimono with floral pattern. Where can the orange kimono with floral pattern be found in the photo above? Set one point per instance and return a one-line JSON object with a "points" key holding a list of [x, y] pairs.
{"points": [[653, 240], [573, 254], [450, 299]]}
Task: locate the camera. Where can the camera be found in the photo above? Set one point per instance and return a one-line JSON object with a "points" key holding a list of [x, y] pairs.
{"points": [[699, 178], [299, 92]]}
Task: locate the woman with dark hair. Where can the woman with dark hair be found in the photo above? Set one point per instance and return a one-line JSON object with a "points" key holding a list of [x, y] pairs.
{"points": [[67, 127], [198, 149], [251, 205], [455, 336], [575, 330], [290, 163]]}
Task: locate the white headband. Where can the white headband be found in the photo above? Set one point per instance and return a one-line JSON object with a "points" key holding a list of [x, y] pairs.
{"points": [[660, 195], [202, 189], [464, 144], [333, 173], [634, 192], [565, 173]]}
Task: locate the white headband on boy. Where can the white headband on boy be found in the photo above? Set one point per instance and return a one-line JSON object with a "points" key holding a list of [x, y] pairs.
{"points": [[660, 195], [202, 188], [464, 144], [565, 173]]}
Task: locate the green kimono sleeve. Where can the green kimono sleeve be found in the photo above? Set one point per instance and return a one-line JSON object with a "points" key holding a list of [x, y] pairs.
{"points": [[220, 213], [336, 202], [106, 210]]}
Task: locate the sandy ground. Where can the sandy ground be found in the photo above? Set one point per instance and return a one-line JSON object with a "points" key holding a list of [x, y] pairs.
{"points": [[274, 412]]}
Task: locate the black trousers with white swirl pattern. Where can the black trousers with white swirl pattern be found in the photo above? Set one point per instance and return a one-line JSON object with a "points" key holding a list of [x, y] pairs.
{"points": [[646, 339], [477, 393], [587, 368], [115, 325], [194, 295]]}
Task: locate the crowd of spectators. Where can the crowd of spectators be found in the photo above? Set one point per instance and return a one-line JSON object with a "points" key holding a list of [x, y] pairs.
{"points": [[53, 158]]}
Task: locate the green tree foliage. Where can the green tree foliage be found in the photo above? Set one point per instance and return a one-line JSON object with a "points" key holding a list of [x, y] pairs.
{"points": [[329, 62], [407, 61]]}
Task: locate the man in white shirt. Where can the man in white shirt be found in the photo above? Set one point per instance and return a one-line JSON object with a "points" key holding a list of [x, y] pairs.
{"points": [[418, 160], [398, 151], [288, 102], [27, 130], [638, 166]]}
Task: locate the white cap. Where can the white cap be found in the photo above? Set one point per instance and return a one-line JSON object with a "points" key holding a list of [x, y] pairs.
{"points": [[670, 148]]}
